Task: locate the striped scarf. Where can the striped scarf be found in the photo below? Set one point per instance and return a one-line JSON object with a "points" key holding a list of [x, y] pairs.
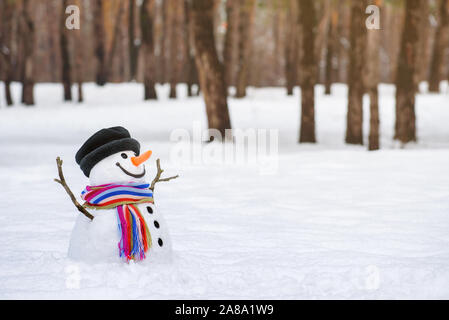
{"points": [[135, 237]]}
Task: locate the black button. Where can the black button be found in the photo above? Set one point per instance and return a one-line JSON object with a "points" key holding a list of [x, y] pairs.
{"points": [[156, 224], [150, 210], [160, 242]]}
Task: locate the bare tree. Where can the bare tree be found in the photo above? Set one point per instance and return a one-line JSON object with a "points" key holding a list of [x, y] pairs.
{"points": [[211, 71], [79, 56], [176, 13], [27, 34], [115, 39], [371, 82], [307, 19], [105, 56], [354, 122], [343, 35], [133, 49], [439, 47], [394, 16], [6, 53], [292, 47], [406, 76], [332, 43], [230, 40], [246, 22], [100, 39], [190, 68], [278, 26], [65, 56], [323, 17], [147, 26], [425, 42], [165, 41]]}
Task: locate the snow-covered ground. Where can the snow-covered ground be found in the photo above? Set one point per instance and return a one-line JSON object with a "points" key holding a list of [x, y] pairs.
{"points": [[334, 221]]}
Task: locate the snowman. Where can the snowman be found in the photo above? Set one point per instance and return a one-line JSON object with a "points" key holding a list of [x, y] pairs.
{"points": [[120, 220]]}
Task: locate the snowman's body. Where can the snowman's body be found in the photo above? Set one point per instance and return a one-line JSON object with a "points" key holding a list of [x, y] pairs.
{"points": [[97, 240]]}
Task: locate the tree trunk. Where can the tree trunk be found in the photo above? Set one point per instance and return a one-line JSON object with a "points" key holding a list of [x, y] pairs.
{"points": [[187, 46], [190, 68], [177, 16], [100, 39], [291, 47], [211, 72], [331, 46], [394, 19], [307, 18], [424, 46], [354, 124], [278, 28], [246, 21], [147, 27], [343, 31], [371, 80], [65, 56], [321, 32], [173, 5], [373, 140], [230, 40], [6, 57], [440, 44], [79, 57], [1, 62], [27, 36], [8, 96], [132, 48], [115, 39], [406, 82], [165, 41]]}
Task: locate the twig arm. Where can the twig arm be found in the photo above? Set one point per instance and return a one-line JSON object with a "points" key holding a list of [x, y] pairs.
{"points": [[63, 183], [157, 178]]}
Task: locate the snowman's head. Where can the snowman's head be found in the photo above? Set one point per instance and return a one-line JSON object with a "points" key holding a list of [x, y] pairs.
{"points": [[112, 156], [121, 167]]}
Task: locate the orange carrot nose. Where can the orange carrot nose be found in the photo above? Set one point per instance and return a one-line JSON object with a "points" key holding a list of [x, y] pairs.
{"points": [[137, 161]]}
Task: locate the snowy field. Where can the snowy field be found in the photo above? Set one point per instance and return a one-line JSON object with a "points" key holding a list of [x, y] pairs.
{"points": [[334, 221]]}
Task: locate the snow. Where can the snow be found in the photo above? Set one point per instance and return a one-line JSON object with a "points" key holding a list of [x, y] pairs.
{"points": [[334, 221]]}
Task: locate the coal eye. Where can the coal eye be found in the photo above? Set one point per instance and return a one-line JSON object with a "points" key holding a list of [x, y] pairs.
{"points": [[124, 156]]}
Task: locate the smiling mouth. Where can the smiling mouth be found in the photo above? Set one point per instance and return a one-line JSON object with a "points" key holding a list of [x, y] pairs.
{"points": [[137, 176]]}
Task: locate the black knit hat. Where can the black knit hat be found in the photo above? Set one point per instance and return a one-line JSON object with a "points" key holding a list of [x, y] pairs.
{"points": [[102, 144]]}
